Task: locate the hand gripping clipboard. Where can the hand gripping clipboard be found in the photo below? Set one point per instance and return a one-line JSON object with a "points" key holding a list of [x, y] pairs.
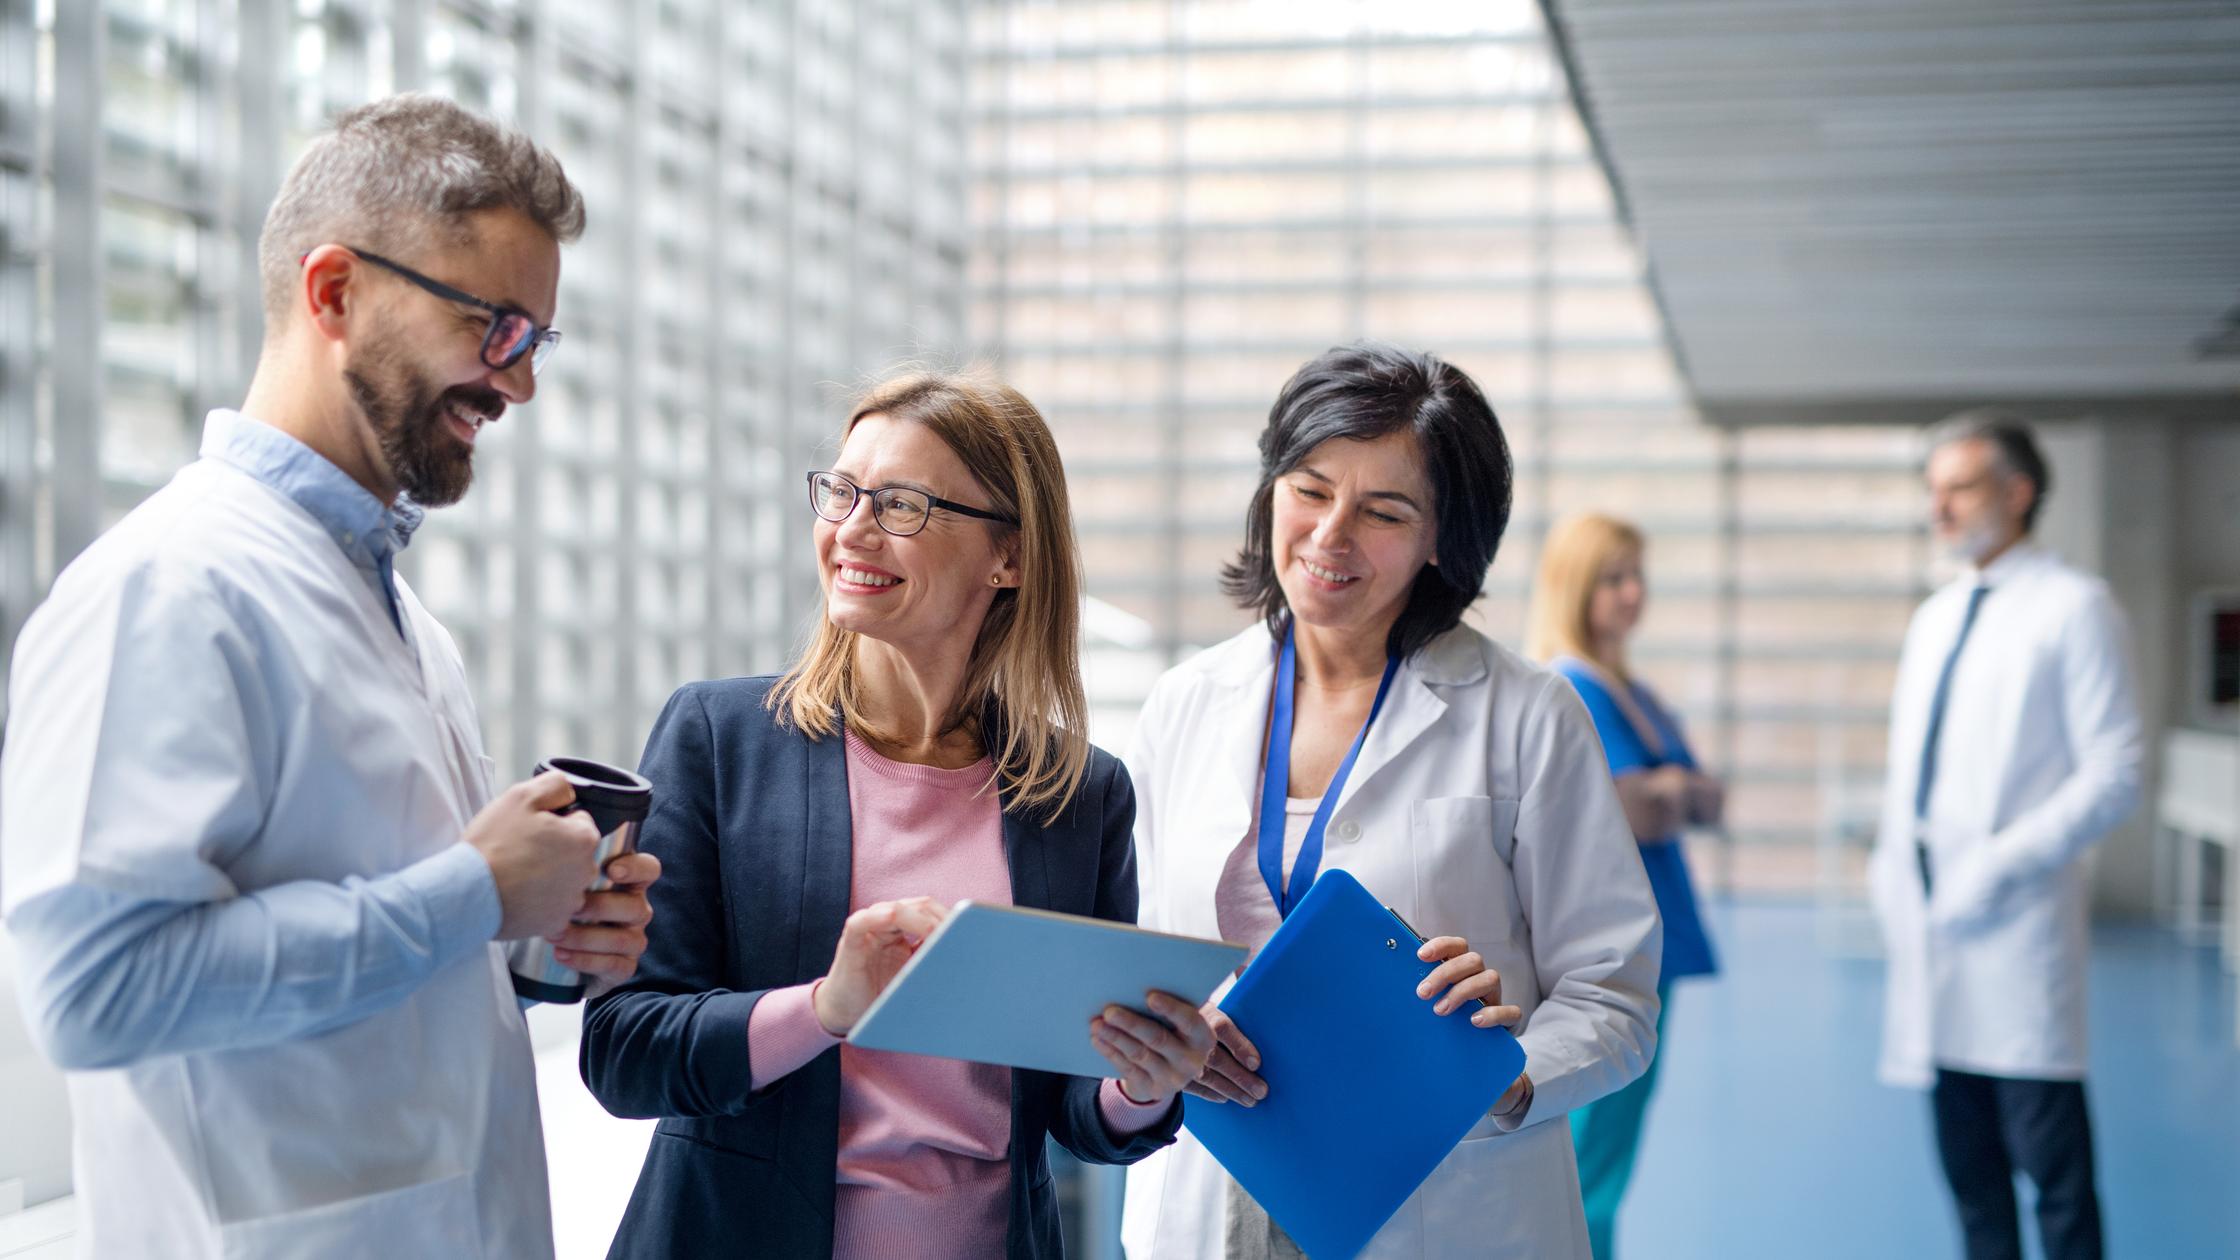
{"points": [[1017, 987], [1367, 1089]]}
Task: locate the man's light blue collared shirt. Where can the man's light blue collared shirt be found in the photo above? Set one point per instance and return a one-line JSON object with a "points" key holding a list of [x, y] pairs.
{"points": [[111, 979], [367, 530]]}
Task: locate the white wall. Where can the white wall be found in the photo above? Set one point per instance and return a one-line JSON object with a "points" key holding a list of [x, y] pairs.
{"points": [[2153, 506], [2206, 519]]}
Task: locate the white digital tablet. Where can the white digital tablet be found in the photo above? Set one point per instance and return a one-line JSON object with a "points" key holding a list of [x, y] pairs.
{"points": [[1018, 987]]}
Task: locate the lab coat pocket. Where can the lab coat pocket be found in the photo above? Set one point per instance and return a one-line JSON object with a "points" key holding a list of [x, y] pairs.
{"points": [[1462, 848], [1505, 1195], [434, 1218]]}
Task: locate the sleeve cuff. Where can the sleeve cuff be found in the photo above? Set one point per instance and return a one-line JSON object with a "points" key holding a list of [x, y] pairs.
{"points": [[1124, 1116], [783, 1033], [1515, 1120], [461, 898]]}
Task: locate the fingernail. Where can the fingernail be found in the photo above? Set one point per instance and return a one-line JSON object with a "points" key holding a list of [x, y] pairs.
{"points": [[1252, 1061]]}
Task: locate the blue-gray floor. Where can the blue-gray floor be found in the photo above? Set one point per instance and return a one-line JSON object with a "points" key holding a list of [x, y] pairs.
{"points": [[1769, 1138]]}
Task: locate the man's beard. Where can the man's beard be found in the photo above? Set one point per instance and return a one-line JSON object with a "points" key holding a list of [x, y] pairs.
{"points": [[430, 463], [1973, 542]]}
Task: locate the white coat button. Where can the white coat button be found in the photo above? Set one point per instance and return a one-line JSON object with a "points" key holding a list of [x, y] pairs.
{"points": [[1349, 831]]}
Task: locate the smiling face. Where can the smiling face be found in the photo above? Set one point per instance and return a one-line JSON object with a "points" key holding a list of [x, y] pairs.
{"points": [[933, 586], [414, 360], [1353, 524]]}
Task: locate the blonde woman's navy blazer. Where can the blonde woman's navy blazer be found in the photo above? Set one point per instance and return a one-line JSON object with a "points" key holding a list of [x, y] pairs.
{"points": [[751, 823]]}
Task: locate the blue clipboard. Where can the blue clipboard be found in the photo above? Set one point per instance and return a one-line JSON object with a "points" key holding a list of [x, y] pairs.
{"points": [[1367, 1089]]}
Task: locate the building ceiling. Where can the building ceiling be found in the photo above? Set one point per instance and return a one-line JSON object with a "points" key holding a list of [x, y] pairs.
{"points": [[1885, 210]]}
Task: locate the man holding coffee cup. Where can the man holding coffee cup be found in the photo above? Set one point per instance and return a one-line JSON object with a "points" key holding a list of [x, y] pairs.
{"points": [[250, 847]]}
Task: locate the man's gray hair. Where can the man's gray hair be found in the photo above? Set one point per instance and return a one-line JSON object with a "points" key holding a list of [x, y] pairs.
{"points": [[394, 171], [2012, 444]]}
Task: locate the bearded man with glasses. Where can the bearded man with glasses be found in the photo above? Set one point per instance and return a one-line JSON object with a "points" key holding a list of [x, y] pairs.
{"points": [[251, 850]]}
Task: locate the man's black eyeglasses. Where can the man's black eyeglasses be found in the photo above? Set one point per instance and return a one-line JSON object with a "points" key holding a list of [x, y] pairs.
{"points": [[899, 510], [512, 333]]}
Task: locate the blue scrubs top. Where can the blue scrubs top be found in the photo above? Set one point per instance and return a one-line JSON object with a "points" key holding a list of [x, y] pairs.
{"points": [[1687, 947]]}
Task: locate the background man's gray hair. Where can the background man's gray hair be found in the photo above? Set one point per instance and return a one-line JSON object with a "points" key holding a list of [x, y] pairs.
{"points": [[397, 170], [2011, 443]]}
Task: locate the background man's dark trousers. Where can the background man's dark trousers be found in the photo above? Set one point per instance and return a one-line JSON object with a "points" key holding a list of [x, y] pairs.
{"points": [[1990, 1127]]}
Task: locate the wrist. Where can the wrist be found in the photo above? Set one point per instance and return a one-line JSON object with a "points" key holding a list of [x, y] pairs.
{"points": [[1518, 1105], [1129, 1094], [817, 1008]]}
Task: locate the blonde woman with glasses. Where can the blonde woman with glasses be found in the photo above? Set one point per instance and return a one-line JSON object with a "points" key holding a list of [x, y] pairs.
{"points": [[814, 827], [1584, 611]]}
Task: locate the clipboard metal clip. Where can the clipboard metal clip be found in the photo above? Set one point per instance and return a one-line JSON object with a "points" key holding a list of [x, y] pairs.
{"points": [[1405, 926], [1409, 928]]}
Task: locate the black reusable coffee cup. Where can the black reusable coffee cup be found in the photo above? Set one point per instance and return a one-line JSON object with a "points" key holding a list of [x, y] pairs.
{"points": [[618, 802]]}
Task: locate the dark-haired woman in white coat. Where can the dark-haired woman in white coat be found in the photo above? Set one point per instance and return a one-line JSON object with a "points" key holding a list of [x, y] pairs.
{"points": [[1477, 804]]}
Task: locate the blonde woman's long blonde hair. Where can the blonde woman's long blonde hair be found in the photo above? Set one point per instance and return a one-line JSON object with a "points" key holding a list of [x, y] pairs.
{"points": [[1025, 668], [1571, 562]]}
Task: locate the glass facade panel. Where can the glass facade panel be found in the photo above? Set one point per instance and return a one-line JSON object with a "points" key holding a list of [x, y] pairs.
{"points": [[803, 222]]}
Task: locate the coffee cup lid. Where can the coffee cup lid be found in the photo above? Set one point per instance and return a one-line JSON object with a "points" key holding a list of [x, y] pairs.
{"points": [[598, 784]]}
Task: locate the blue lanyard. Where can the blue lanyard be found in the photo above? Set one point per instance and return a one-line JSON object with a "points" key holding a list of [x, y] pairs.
{"points": [[1275, 783]]}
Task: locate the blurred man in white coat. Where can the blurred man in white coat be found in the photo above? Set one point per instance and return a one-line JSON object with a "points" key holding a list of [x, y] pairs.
{"points": [[2014, 747], [252, 853]]}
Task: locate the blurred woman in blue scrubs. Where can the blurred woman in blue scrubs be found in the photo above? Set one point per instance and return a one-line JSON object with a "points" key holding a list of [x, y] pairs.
{"points": [[1584, 609]]}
